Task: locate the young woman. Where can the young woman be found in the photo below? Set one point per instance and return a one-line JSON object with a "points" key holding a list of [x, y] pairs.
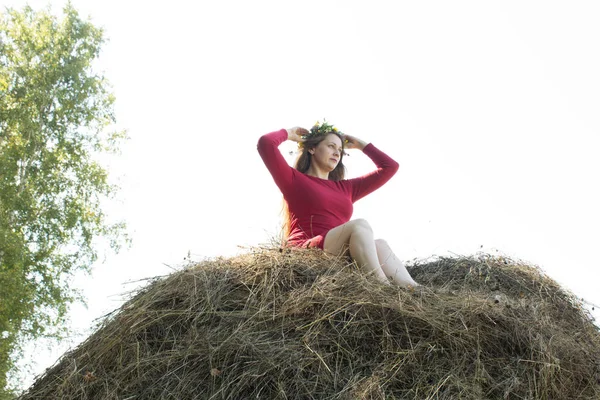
{"points": [[319, 200]]}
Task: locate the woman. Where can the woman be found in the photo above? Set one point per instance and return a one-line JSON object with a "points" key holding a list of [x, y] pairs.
{"points": [[319, 200]]}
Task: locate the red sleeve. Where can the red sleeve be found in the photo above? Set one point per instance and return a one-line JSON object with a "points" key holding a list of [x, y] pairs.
{"points": [[386, 168], [268, 149]]}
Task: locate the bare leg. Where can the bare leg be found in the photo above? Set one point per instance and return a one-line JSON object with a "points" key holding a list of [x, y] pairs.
{"points": [[356, 236], [392, 266]]}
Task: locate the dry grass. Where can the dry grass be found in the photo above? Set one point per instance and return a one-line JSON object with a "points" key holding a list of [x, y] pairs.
{"points": [[298, 324]]}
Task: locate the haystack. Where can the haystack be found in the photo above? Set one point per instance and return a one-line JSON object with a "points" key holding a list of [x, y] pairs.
{"points": [[299, 324]]}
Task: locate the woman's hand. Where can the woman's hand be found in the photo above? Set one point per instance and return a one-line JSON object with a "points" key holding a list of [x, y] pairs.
{"points": [[352, 142], [296, 134]]}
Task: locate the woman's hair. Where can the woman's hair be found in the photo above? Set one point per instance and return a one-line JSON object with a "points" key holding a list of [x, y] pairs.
{"points": [[303, 162], [304, 159]]}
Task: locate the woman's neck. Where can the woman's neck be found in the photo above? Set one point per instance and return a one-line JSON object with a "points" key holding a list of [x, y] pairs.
{"points": [[317, 172]]}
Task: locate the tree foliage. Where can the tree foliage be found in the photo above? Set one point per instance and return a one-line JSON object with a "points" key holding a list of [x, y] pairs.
{"points": [[56, 115]]}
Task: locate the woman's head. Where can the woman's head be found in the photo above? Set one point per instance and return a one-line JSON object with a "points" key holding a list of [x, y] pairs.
{"points": [[323, 148]]}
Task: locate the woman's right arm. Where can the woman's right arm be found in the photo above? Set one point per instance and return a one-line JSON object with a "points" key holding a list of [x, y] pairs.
{"points": [[268, 148]]}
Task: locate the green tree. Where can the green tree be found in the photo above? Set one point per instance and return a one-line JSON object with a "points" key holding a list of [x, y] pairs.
{"points": [[56, 118]]}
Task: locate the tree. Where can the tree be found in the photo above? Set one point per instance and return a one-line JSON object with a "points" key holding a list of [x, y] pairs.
{"points": [[56, 116]]}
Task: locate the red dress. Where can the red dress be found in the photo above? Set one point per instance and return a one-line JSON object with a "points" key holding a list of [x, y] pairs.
{"points": [[317, 205]]}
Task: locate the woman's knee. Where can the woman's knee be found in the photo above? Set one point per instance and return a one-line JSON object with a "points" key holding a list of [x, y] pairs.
{"points": [[356, 231], [361, 225]]}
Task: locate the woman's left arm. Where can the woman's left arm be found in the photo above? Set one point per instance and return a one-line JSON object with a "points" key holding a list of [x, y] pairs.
{"points": [[352, 142], [386, 168]]}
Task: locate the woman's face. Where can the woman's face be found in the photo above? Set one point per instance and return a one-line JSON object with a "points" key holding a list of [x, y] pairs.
{"points": [[328, 152]]}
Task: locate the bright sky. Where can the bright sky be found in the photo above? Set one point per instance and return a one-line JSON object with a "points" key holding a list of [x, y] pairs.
{"points": [[491, 109]]}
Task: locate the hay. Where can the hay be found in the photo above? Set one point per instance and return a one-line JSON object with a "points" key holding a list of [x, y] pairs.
{"points": [[298, 324]]}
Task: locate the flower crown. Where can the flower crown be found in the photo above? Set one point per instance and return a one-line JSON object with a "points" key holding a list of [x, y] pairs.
{"points": [[321, 129]]}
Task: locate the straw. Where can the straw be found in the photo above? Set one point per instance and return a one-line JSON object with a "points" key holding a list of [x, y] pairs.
{"points": [[300, 324]]}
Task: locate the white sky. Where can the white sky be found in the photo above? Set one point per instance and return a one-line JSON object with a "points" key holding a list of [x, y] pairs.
{"points": [[490, 108]]}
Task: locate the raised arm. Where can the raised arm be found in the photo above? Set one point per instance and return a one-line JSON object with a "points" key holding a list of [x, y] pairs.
{"points": [[386, 168], [268, 148]]}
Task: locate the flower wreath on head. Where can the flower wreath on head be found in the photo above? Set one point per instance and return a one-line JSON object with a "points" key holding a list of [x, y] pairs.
{"points": [[321, 129]]}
